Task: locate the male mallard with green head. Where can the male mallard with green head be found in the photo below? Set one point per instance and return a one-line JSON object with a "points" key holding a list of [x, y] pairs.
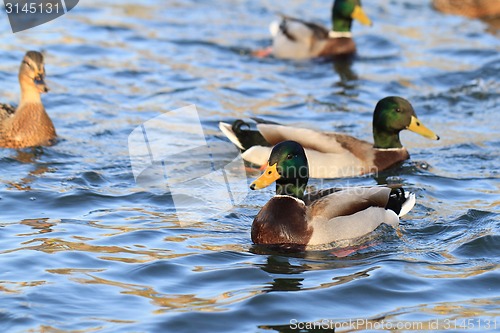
{"points": [[297, 39], [295, 218], [334, 155], [28, 125]]}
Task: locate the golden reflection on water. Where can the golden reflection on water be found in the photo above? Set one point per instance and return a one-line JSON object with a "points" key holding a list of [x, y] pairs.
{"points": [[457, 272], [166, 302], [451, 314], [17, 287], [51, 329], [42, 225], [54, 245], [232, 102], [475, 314], [220, 248]]}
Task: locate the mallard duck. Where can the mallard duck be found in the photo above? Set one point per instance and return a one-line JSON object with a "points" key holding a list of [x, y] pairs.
{"points": [[293, 217], [334, 155], [469, 8], [28, 125], [297, 39]]}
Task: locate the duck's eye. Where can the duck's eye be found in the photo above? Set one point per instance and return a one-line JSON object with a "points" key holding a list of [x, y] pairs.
{"points": [[398, 110], [28, 64], [289, 156]]}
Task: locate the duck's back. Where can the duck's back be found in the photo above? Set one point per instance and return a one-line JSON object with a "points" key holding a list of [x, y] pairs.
{"points": [[297, 39], [6, 111], [350, 214], [469, 8], [29, 126]]}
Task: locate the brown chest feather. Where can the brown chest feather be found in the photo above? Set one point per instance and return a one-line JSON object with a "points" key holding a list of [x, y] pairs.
{"points": [[281, 221], [338, 46], [384, 159]]}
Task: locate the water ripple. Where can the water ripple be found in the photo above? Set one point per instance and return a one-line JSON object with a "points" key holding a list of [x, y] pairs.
{"points": [[86, 249]]}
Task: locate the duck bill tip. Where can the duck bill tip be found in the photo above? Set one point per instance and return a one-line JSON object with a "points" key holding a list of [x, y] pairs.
{"points": [[359, 15], [418, 127], [269, 176]]}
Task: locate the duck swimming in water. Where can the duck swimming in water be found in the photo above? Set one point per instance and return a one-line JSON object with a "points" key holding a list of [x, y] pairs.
{"points": [[294, 38], [335, 155], [28, 125], [293, 217]]}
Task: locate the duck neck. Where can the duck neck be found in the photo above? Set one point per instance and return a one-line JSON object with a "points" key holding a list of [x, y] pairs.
{"points": [[29, 92], [341, 24], [385, 139], [294, 188]]}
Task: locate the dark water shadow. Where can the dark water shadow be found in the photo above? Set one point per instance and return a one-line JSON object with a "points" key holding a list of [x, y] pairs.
{"points": [[28, 156]]}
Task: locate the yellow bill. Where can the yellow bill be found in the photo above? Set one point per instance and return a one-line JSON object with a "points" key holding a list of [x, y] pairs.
{"points": [[419, 128], [269, 176], [360, 15]]}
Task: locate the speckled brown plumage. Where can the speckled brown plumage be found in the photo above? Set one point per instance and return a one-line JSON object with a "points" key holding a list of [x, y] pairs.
{"points": [[469, 8], [29, 124]]}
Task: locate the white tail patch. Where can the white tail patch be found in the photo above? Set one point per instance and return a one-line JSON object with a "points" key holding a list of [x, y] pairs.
{"points": [[408, 204], [274, 28], [258, 155], [228, 131]]}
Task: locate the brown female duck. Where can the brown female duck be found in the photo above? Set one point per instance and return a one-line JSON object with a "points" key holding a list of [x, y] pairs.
{"points": [[28, 125], [469, 8]]}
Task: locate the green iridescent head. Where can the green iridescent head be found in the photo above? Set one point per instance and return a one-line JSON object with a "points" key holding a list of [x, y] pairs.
{"points": [[344, 11], [392, 115], [288, 167]]}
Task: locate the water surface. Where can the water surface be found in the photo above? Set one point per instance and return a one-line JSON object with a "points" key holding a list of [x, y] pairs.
{"points": [[85, 249]]}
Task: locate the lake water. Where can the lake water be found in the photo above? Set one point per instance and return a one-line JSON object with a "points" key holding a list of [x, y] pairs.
{"points": [[85, 249]]}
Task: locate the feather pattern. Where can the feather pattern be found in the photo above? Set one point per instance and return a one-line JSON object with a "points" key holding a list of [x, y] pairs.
{"points": [[334, 155], [345, 214], [6, 110], [322, 217], [28, 125], [294, 38], [297, 39], [330, 155]]}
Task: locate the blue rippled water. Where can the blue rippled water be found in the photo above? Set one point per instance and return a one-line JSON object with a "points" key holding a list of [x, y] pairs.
{"points": [[85, 249]]}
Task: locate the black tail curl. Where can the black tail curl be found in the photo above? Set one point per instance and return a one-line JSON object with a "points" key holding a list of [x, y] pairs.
{"points": [[247, 136], [396, 200], [238, 123]]}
